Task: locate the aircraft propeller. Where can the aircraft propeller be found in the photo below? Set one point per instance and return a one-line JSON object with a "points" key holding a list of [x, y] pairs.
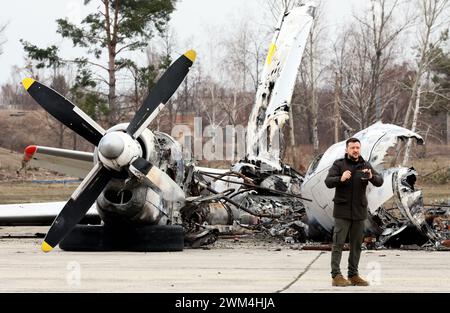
{"points": [[117, 150]]}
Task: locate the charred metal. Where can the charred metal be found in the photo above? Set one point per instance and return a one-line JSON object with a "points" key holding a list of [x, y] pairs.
{"points": [[298, 209], [142, 183]]}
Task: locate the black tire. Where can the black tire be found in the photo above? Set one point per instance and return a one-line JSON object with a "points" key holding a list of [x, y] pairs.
{"points": [[155, 238]]}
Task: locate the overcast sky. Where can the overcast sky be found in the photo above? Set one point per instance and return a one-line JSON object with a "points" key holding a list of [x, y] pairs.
{"points": [[193, 22]]}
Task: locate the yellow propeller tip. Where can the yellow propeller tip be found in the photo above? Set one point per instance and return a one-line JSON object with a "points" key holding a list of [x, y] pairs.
{"points": [[46, 247], [191, 55], [27, 82]]}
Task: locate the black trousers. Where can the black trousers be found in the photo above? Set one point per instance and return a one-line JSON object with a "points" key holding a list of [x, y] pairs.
{"points": [[355, 230]]}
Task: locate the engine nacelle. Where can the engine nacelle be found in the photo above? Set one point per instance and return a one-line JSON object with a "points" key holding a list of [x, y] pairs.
{"points": [[136, 203]]}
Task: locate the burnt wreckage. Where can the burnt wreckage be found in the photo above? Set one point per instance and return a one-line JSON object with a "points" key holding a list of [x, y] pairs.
{"points": [[260, 192], [146, 197], [397, 214], [297, 208]]}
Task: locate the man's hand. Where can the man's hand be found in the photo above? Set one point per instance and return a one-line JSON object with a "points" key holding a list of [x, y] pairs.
{"points": [[368, 170], [346, 175]]}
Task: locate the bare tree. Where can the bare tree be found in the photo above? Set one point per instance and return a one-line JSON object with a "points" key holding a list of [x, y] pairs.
{"points": [[315, 68], [243, 55], [368, 51], [2, 39], [277, 7], [240, 64], [433, 30], [382, 38], [431, 11], [338, 66], [13, 92]]}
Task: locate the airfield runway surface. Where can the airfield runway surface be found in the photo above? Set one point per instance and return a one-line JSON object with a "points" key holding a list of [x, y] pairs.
{"points": [[243, 267]]}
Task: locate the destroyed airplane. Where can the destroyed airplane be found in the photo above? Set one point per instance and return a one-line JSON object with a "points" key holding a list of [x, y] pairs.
{"points": [[260, 189], [386, 223], [143, 190], [126, 181], [397, 215], [154, 200]]}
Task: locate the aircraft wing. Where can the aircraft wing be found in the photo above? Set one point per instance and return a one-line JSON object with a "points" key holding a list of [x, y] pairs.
{"points": [[273, 97], [38, 214], [69, 162]]}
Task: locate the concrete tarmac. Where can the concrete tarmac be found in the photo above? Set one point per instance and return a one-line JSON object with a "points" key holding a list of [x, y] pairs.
{"points": [[243, 267]]}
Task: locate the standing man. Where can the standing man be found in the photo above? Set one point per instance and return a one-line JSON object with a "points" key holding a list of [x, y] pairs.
{"points": [[350, 176]]}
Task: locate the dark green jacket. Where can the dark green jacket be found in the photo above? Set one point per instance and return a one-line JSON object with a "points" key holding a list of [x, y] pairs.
{"points": [[350, 201]]}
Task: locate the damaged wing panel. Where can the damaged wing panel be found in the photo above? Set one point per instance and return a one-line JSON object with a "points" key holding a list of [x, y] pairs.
{"points": [[274, 93], [37, 214], [69, 162]]}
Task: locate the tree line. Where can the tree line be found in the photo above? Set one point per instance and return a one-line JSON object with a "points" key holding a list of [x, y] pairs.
{"points": [[390, 62]]}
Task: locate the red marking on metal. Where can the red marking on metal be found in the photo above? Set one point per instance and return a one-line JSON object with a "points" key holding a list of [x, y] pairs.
{"points": [[29, 152]]}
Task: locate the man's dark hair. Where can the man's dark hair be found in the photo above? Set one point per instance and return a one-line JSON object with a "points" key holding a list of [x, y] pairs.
{"points": [[353, 139]]}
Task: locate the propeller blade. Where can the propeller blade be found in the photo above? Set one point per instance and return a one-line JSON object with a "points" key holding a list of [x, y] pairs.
{"points": [[77, 206], [64, 111], [161, 93], [155, 178]]}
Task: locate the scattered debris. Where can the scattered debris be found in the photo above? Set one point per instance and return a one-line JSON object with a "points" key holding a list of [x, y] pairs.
{"points": [[272, 202], [259, 194]]}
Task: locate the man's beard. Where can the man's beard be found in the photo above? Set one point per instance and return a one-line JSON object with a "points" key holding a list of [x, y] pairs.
{"points": [[353, 158]]}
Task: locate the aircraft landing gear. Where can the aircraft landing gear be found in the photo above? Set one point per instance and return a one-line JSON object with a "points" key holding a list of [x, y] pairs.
{"points": [[154, 238]]}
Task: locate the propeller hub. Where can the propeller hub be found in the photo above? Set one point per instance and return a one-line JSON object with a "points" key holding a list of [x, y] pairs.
{"points": [[111, 145], [117, 149]]}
